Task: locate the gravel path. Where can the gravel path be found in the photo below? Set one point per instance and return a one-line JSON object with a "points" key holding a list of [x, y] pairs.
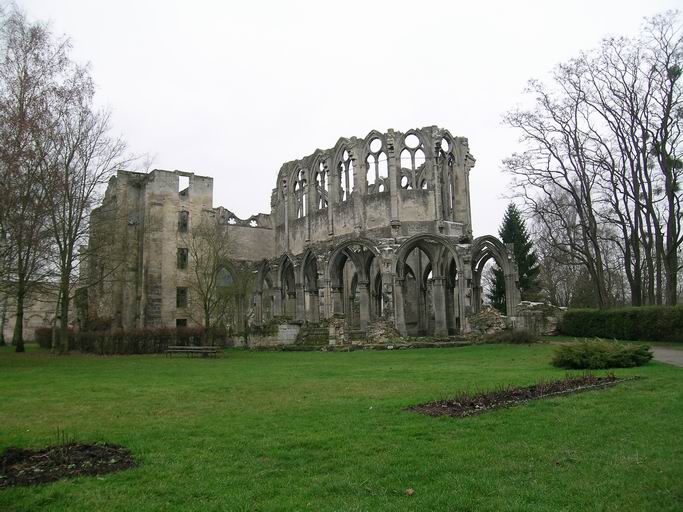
{"points": [[668, 355]]}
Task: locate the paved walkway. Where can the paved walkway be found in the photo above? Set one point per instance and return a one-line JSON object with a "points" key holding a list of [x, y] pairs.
{"points": [[668, 355]]}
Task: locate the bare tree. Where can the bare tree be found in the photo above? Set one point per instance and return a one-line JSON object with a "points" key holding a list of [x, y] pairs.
{"points": [[207, 244], [601, 166], [31, 63], [79, 158]]}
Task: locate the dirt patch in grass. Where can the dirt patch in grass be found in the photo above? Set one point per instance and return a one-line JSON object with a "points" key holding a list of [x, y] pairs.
{"points": [[468, 404], [19, 466]]}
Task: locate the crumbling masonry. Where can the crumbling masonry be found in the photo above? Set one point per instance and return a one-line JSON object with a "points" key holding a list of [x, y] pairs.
{"points": [[373, 228]]}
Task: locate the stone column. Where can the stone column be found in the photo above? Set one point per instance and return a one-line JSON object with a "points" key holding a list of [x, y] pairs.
{"points": [[337, 296], [364, 297], [394, 168], [476, 299], [285, 192], [314, 301], [512, 295], [387, 290], [277, 301], [258, 308], [399, 313], [436, 171], [300, 304], [439, 303], [359, 185]]}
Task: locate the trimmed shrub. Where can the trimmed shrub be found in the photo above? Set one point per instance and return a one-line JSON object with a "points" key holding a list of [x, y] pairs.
{"points": [[599, 354], [139, 341], [519, 337], [651, 323], [43, 336]]}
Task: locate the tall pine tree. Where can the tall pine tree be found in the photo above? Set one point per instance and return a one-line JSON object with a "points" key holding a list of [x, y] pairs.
{"points": [[514, 231]]}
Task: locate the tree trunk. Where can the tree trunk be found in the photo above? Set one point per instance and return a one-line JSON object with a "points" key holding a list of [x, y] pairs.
{"points": [[18, 338], [3, 320], [63, 317]]}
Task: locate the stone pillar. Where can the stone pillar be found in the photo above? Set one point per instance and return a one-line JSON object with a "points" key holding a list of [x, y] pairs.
{"points": [[388, 284], [364, 297], [439, 303], [337, 297], [512, 295], [277, 301], [399, 313], [285, 192], [258, 308], [314, 303], [476, 299], [450, 310], [394, 169], [300, 302], [437, 173]]}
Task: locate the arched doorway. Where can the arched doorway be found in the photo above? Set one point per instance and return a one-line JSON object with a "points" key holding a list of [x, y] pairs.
{"points": [[484, 249], [428, 293], [349, 271], [288, 288], [311, 288], [264, 295]]}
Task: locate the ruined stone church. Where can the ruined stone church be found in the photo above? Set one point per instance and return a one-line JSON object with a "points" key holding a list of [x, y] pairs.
{"points": [[374, 228]]}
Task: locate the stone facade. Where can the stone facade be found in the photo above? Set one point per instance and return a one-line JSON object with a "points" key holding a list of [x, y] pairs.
{"points": [[39, 311], [372, 228]]}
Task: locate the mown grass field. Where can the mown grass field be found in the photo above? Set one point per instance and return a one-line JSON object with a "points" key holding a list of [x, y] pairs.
{"points": [[325, 431]]}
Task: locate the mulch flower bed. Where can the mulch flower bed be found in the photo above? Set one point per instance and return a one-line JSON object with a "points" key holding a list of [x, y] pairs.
{"points": [[467, 404], [27, 467]]}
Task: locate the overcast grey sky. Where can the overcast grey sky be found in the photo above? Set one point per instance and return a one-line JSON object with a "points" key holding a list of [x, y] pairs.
{"points": [[234, 89]]}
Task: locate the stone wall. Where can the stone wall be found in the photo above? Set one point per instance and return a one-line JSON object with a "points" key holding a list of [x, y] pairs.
{"points": [[286, 335], [374, 228]]}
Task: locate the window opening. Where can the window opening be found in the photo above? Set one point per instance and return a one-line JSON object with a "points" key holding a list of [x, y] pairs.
{"points": [[183, 221], [182, 258], [181, 298]]}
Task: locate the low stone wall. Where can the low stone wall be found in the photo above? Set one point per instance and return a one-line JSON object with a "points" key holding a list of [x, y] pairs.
{"points": [[286, 335], [537, 317]]}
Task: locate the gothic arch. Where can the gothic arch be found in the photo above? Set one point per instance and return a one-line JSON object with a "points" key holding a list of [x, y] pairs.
{"points": [[348, 271], [483, 249], [437, 312], [361, 260]]}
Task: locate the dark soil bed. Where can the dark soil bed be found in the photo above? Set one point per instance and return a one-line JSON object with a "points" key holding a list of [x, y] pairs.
{"points": [[468, 404], [26, 467]]}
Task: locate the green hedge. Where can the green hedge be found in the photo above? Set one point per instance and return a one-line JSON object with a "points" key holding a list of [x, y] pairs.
{"points": [[43, 337], [139, 341], [649, 323]]}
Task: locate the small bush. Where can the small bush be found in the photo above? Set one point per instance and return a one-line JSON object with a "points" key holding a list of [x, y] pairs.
{"points": [[519, 337], [599, 354], [652, 323], [43, 336]]}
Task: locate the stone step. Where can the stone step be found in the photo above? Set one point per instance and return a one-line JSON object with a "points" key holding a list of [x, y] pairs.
{"points": [[357, 334]]}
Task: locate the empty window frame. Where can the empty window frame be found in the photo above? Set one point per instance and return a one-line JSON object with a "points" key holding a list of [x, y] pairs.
{"points": [[182, 258], [183, 221], [181, 298]]}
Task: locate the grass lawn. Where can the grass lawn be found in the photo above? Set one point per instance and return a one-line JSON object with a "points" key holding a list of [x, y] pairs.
{"points": [[325, 431]]}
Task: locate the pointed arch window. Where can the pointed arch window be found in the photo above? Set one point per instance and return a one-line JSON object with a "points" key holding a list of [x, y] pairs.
{"points": [[321, 187], [345, 172], [300, 194]]}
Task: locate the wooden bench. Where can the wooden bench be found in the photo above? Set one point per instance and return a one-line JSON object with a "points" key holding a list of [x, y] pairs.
{"points": [[193, 351]]}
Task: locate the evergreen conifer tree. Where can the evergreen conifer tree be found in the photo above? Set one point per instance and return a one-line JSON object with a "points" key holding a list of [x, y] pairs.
{"points": [[513, 230]]}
